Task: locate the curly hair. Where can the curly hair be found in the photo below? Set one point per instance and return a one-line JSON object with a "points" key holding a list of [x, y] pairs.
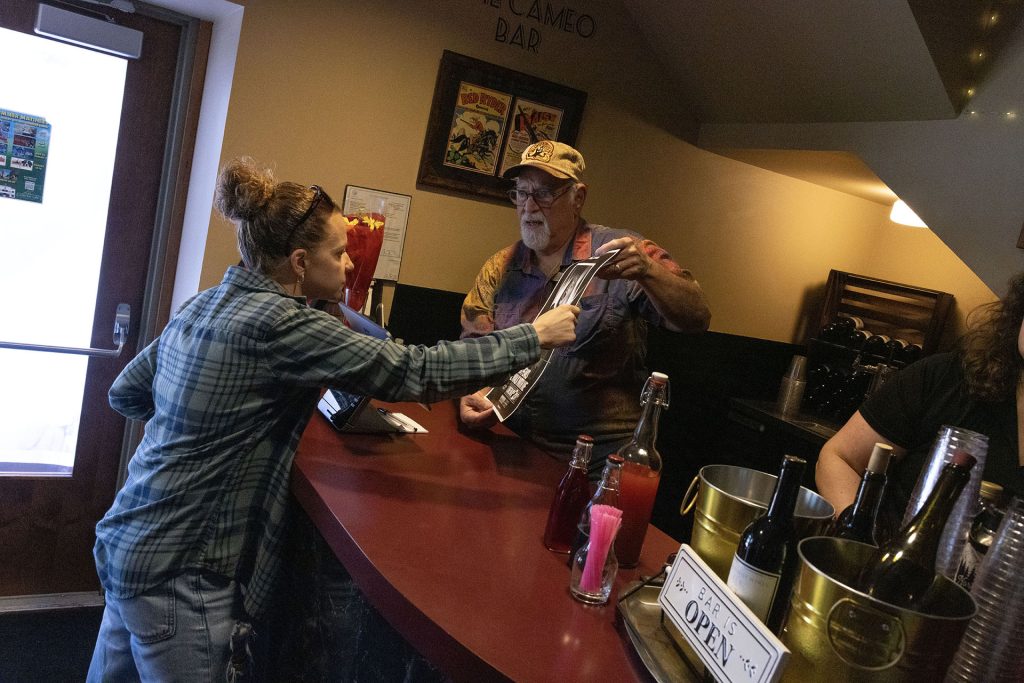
{"points": [[267, 213], [992, 362]]}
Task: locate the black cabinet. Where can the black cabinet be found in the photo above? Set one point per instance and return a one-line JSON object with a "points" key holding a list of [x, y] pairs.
{"points": [[761, 437]]}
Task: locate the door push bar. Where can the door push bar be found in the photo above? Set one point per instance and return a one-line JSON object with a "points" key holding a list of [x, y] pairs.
{"points": [[122, 320]]}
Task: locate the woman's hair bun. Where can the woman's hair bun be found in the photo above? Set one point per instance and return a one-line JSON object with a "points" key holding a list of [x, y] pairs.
{"points": [[243, 189]]}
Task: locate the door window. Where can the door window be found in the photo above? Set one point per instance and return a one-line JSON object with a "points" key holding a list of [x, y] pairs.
{"points": [[52, 249]]}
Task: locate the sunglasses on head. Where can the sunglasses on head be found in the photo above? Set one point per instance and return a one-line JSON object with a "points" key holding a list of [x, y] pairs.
{"points": [[318, 196]]}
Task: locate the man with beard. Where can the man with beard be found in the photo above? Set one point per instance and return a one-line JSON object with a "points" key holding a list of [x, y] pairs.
{"points": [[594, 386]]}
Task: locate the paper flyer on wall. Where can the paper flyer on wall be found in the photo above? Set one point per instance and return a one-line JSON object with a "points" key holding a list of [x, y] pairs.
{"points": [[569, 290], [395, 208], [477, 127], [24, 147]]}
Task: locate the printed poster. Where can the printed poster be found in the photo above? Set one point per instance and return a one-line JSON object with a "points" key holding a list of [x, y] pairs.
{"points": [[477, 125], [569, 290], [531, 122], [24, 147]]}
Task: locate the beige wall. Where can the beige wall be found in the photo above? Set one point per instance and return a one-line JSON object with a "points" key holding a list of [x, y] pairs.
{"points": [[339, 92]]}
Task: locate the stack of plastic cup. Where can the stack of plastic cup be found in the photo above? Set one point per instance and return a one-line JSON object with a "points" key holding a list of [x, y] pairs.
{"points": [[791, 391], [949, 441], [991, 648]]}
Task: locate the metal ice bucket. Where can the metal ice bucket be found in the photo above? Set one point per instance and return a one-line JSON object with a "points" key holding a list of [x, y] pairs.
{"points": [[729, 498], [836, 633]]}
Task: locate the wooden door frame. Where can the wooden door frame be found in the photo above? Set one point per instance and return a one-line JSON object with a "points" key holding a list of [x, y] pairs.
{"points": [[179, 144]]}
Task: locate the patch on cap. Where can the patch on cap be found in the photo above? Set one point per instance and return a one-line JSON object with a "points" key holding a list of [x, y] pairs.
{"points": [[539, 151], [556, 158]]}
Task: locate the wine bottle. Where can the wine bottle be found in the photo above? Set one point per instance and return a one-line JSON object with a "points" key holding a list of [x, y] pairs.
{"points": [[641, 472], [816, 391], [844, 324], [857, 522], [911, 353], [831, 333], [903, 569], [855, 338], [607, 493], [894, 348], [757, 571], [570, 497], [854, 322], [876, 345], [984, 527]]}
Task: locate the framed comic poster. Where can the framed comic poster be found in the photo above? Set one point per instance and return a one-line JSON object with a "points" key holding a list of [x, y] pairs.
{"points": [[482, 118]]}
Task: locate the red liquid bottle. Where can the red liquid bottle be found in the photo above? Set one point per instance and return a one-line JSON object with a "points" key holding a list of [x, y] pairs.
{"points": [[641, 473], [607, 493], [570, 498]]}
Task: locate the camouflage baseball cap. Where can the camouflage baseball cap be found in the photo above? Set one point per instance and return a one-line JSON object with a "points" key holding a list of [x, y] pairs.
{"points": [[555, 158]]}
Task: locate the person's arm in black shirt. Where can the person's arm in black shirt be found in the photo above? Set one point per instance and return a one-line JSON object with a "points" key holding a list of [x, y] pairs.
{"points": [[843, 459], [893, 414]]}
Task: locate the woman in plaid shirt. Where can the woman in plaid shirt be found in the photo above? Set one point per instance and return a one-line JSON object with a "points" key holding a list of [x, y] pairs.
{"points": [[190, 549]]}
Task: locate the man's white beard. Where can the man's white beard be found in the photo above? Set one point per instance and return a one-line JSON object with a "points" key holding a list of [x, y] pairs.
{"points": [[535, 238]]}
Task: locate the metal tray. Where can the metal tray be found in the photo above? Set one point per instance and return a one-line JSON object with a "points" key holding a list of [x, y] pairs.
{"points": [[641, 615]]}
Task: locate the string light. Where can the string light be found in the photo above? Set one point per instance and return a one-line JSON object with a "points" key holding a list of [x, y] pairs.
{"points": [[1008, 115]]}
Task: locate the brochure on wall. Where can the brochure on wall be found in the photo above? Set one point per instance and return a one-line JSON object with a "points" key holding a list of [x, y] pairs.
{"points": [[395, 208], [571, 284], [24, 147]]}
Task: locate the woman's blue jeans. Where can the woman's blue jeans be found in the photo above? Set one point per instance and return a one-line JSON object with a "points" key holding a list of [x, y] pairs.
{"points": [[179, 630]]}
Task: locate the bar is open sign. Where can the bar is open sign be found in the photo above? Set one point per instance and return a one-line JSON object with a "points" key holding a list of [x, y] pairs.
{"points": [[729, 639]]}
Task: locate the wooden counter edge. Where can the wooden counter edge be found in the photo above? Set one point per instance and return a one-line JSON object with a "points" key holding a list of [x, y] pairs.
{"points": [[429, 639]]}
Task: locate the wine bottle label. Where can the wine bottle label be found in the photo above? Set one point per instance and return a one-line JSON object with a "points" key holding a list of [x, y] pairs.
{"points": [[966, 572], [755, 587]]}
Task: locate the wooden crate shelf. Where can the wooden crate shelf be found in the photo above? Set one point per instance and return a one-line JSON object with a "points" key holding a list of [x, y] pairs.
{"points": [[914, 314], [840, 374]]}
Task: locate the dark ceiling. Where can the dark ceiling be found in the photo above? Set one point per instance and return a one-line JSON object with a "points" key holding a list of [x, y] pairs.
{"points": [[802, 61], [825, 61]]}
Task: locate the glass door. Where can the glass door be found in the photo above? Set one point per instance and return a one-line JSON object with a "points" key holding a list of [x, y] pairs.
{"points": [[64, 152], [76, 243]]}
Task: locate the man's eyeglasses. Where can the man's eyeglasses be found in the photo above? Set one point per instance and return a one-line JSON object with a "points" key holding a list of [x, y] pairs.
{"points": [[543, 197], [318, 196]]}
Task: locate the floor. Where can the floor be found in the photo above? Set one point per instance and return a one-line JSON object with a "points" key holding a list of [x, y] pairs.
{"points": [[57, 646], [319, 630], [47, 646]]}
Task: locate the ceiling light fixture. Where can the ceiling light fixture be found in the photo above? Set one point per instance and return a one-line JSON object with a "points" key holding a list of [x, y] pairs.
{"points": [[904, 215]]}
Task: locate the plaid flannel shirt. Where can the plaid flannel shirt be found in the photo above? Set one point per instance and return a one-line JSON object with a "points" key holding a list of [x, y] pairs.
{"points": [[227, 390]]}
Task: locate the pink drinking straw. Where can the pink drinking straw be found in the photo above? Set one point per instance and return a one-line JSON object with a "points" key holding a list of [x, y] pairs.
{"points": [[604, 524]]}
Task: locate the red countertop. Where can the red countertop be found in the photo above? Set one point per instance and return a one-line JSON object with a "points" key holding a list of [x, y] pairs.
{"points": [[442, 531]]}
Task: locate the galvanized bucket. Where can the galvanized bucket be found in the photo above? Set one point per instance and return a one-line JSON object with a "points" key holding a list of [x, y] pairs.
{"points": [[836, 633], [728, 499]]}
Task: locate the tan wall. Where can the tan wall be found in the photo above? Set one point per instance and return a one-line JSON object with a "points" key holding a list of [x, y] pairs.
{"points": [[339, 92]]}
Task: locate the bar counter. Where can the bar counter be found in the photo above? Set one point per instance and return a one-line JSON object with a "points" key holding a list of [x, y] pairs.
{"points": [[443, 533]]}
